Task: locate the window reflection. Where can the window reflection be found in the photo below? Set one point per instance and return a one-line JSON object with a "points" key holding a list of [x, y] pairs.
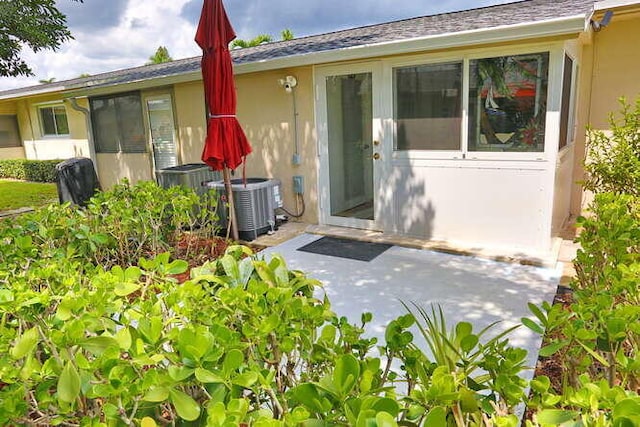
{"points": [[507, 103]]}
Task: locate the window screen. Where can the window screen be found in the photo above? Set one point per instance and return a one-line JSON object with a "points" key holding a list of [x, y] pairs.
{"points": [[117, 124], [54, 120], [9, 133], [428, 107]]}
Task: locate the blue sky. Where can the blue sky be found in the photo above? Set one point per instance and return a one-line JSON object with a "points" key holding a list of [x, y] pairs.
{"points": [[116, 34]]}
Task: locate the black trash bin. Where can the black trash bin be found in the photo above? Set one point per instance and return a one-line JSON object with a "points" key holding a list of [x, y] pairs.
{"points": [[77, 180]]}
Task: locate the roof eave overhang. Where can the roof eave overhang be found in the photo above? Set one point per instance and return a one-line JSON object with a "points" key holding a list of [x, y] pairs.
{"points": [[34, 92], [140, 84], [100, 89], [566, 26], [614, 4]]}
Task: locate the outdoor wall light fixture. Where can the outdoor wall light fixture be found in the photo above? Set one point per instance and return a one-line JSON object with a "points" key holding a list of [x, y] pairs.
{"points": [[288, 83], [606, 19]]}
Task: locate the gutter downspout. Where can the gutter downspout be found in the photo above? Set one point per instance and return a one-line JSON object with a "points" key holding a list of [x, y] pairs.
{"points": [[87, 116]]}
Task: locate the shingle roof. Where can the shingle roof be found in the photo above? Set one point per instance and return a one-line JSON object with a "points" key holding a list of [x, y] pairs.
{"points": [[528, 11]]}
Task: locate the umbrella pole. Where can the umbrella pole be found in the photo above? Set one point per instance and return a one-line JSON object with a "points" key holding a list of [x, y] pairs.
{"points": [[232, 208]]}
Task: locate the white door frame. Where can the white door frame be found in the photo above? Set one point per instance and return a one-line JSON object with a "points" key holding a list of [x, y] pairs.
{"points": [[321, 74], [154, 97]]}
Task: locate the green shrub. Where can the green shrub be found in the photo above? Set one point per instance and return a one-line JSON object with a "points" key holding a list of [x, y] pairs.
{"points": [[613, 161], [125, 223], [29, 170], [597, 341]]}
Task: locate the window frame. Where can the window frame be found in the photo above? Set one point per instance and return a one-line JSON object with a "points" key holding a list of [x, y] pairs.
{"points": [[416, 62], [479, 154], [556, 53], [19, 140], [121, 145], [394, 107], [571, 115], [53, 106]]}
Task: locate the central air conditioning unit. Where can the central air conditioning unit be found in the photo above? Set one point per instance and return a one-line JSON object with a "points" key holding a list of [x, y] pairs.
{"points": [[192, 175], [255, 205]]}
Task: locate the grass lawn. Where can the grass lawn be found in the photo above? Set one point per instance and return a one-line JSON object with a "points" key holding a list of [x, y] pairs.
{"points": [[20, 194]]}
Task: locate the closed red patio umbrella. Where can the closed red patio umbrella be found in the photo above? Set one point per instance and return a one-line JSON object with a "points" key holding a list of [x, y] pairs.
{"points": [[226, 145]]}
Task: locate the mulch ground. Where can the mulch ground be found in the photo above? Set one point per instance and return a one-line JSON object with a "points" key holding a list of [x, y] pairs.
{"points": [[197, 250]]}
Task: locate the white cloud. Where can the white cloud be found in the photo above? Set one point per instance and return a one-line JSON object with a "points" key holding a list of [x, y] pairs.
{"points": [[140, 28]]}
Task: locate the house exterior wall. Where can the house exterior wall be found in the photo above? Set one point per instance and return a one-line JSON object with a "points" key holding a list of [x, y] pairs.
{"points": [[563, 189], [616, 61], [610, 60], [42, 147], [7, 153], [12, 153], [472, 203], [114, 167], [266, 113], [191, 120]]}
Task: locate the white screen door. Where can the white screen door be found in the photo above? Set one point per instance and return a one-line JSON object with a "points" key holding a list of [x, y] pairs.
{"points": [[162, 130], [349, 146]]}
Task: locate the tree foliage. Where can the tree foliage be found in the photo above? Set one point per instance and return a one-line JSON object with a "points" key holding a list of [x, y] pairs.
{"points": [[256, 41], [286, 34], [37, 24], [161, 56]]}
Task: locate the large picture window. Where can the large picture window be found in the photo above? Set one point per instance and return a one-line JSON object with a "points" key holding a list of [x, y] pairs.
{"points": [[9, 133], [508, 103], [117, 124], [54, 120], [428, 106]]}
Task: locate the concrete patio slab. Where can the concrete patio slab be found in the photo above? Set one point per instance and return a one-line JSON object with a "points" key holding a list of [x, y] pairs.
{"points": [[477, 290]]}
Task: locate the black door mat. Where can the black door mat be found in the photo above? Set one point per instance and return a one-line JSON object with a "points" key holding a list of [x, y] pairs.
{"points": [[345, 248]]}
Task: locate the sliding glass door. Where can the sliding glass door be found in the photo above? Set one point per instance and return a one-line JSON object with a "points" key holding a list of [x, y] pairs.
{"points": [[350, 149]]}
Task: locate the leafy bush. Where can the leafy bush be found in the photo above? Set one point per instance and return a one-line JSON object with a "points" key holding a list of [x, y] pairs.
{"points": [[464, 381], [598, 338], [127, 344], [613, 161], [121, 225], [29, 170]]}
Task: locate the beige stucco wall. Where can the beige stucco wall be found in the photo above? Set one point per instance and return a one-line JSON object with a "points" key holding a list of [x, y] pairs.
{"points": [[562, 189], [56, 148], [190, 115], [10, 108], [115, 167], [265, 111], [12, 153], [615, 67], [610, 60], [40, 147]]}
